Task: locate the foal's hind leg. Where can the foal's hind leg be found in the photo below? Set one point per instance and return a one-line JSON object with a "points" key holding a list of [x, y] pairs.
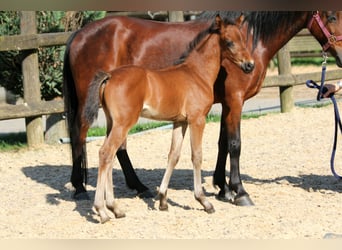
{"points": [[196, 134], [110, 201], [109, 193], [178, 133], [104, 190]]}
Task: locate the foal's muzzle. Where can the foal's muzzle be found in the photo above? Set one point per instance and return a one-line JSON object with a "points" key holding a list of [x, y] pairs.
{"points": [[247, 67]]}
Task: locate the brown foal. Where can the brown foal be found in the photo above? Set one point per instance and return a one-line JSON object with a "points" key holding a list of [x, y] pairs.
{"points": [[182, 93]]}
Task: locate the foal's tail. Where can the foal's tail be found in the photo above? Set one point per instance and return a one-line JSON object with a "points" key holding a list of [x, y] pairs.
{"points": [[94, 96]]}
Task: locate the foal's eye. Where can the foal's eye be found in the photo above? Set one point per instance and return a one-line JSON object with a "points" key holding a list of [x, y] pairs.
{"points": [[229, 44]]}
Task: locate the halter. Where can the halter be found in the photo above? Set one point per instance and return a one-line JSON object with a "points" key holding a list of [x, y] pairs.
{"points": [[338, 124], [331, 38]]}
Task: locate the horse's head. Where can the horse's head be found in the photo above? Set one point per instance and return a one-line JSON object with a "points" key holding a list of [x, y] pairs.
{"points": [[233, 45], [326, 26]]}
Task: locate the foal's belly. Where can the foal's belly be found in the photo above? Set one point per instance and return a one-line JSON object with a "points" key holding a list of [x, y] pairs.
{"points": [[164, 115]]}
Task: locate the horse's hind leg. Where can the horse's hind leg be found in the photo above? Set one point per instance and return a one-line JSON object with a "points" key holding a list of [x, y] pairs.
{"points": [[178, 133], [196, 134], [131, 178], [79, 166]]}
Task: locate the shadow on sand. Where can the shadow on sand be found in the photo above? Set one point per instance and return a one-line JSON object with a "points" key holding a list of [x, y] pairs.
{"points": [[57, 178]]}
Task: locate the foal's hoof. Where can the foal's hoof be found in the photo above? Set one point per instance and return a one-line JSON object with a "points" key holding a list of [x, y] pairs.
{"points": [[210, 210], [81, 196], [105, 219], [145, 194], [243, 201], [163, 207], [120, 215]]}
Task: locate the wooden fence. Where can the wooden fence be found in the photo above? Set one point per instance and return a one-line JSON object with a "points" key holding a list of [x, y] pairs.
{"points": [[34, 108]]}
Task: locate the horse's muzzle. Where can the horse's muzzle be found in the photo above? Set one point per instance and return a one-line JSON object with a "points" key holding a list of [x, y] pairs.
{"points": [[339, 62]]}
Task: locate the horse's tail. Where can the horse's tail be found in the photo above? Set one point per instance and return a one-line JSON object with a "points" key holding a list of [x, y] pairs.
{"points": [[71, 106], [94, 97], [69, 91]]}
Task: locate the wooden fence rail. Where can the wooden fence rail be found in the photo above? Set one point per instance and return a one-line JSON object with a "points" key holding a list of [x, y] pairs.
{"points": [[33, 108], [33, 41]]}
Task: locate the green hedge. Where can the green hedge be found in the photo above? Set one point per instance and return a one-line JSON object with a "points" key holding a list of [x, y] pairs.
{"points": [[50, 58]]}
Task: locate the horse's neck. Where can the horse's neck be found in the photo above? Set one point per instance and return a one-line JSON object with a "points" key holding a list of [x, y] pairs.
{"points": [[274, 44], [206, 59]]}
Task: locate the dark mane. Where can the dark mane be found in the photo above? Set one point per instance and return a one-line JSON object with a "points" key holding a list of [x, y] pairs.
{"points": [[193, 44], [227, 16], [267, 24], [264, 24]]}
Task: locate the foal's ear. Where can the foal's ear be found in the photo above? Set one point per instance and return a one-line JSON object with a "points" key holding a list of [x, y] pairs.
{"points": [[240, 19], [218, 21]]}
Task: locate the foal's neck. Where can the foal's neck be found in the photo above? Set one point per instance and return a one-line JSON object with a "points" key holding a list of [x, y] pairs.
{"points": [[205, 59]]}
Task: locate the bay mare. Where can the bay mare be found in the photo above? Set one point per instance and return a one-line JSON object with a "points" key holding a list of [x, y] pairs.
{"points": [[125, 40], [182, 93]]}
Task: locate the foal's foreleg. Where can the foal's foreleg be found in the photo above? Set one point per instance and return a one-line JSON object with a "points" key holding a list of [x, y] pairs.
{"points": [[196, 134], [178, 133]]}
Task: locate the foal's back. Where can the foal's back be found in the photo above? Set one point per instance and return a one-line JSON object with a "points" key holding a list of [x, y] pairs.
{"points": [[156, 94]]}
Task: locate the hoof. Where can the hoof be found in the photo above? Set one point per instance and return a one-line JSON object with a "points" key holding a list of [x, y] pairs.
{"points": [[210, 210], [243, 201], [164, 207], [120, 215], [145, 194], [81, 196], [105, 219], [226, 196]]}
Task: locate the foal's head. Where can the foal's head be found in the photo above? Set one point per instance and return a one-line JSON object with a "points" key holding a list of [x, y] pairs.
{"points": [[233, 44]]}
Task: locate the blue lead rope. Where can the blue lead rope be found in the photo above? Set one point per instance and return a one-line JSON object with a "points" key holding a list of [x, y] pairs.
{"points": [[321, 91]]}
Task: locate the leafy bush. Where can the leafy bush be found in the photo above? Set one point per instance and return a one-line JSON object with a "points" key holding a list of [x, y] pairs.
{"points": [[50, 58]]}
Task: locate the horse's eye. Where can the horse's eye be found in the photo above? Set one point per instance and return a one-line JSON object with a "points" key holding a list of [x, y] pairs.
{"points": [[332, 19], [229, 44]]}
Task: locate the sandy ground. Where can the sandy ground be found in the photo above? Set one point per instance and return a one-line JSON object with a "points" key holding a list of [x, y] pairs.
{"points": [[284, 165]]}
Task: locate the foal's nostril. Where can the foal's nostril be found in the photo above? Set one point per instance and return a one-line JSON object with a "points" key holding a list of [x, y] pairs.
{"points": [[248, 67]]}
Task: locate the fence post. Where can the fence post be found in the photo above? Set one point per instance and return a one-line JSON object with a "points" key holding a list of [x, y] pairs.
{"points": [[34, 125], [284, 68], [176, 16]]}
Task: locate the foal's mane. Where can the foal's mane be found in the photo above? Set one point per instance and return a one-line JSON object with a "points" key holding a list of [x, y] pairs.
{"points": [[265, 24], [199, 37]]}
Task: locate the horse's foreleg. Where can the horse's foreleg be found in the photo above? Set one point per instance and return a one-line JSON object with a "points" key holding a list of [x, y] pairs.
{"points": [[131, 178], [196, 134], [178, 133], [236, 192], [219, 178]]}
